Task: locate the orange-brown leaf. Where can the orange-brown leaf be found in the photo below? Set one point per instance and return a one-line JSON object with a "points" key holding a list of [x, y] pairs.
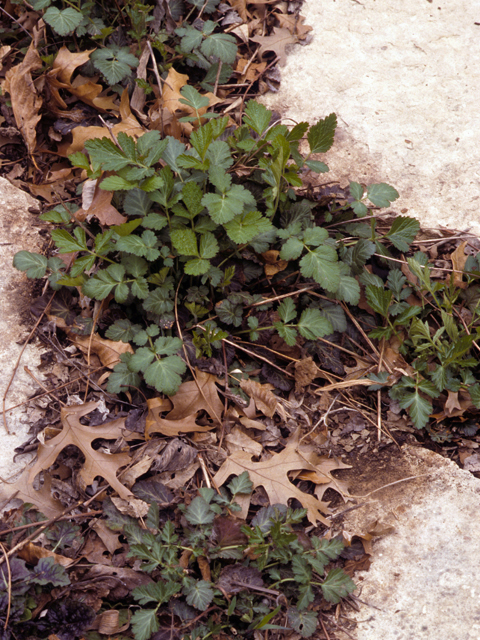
{"points": [[197, 395]]}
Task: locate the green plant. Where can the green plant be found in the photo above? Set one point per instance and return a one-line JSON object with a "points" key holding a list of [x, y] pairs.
{"points": [[432, 335], [256, 573], [190, 222]]}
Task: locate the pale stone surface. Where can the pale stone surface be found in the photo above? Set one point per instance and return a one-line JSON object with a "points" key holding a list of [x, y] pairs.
{"points": [[423, 581], [17, 232], [403, 78]]}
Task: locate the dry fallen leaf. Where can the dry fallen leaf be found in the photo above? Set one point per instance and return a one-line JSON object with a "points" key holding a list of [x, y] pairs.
{"points": [[26, 101], [108, 351], [197, 395], [97, 463], [277, 43], [98, 203], [272, 475], [32, 553], [459, 258], [172, 428], [264, 398]]}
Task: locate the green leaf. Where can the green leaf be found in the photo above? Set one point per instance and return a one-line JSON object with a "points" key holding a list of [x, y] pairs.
{"points": [[165, 374], [359, 209], [196, 267], [348, 290], [317, 166], [192, 196], [121, 377], [84, 263], [208, 246], [114, 62], [306, 595], [356, 190], [193, 98], [302, 571], [116, 183], [127, 228], [122, 330], [303, 622], [137, 203], [241, 484], [382, 194], [150, 147], [321, 265], [224, 207], [199, 512], [67, 243], [79, 160], [144, 624], [315, 236], [221, 45], [142, 246], [402, 232], [320, 136], [313, 324], [166, 345], [359, 254], [292, 249], [379, 299], [59, 215], [287, 332], [34, 265], [103, 283], [219, 154], [63, 22], [474, 391], [257, 116], [199, 594], [287, 310], [419, 408], [185, 242], [159, 301], [106, 154], [159, 592], [337, 585], [247, 226]]}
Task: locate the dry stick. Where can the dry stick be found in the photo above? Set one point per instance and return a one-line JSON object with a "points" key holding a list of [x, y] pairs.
{"points": [[366, 338], [215, 88], [22, 527], [89, 349], [285, 295], [49, 392], [9, 587], [4, 400], [27, 370], [420, 265], [327, 637], [155, 70]]}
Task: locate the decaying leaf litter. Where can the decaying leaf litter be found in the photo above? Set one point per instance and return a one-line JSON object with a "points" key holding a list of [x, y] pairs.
{"points": [[284, 426]]}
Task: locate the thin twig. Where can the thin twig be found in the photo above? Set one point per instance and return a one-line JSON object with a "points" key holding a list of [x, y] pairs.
{"points": [[327, 637], [42, 386], [22, 527], [4, 400], [9, 587]]}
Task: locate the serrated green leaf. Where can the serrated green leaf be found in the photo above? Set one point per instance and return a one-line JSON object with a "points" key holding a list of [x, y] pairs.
{"points": [[68, 244], [150, 148], [144, 624], [287, 332], [116, 183], [82, 264], [166, 346], [199, 512], [47, 571], [359, 254], [303, 622], [122, 330], [196, 267], [79, 160], [59, 215], [348, 290], [152, 183], [121, 377], [219, 154], [474, 391], [320, 136], [220, 179], [402, 232], [302, 571], [34, 265], [379, 299], [315, 236], [313, 324], [245, 227], [321, 265], [159, 592], [199, 594], [106, 154], [159, 301], [154, 221], [63, 21], [208, 246], [224, 207], [287, 310], [140, 288], [104, 282], [317, 166], [165, 374], [359, 209], [126, 228], [337, 585], [419, 408], [292, 249], [193, 98], [241, 484], [356, 190], [142, 246], [221, 45], [185, 242], [257, 116], [115, 63], [382, 194]]}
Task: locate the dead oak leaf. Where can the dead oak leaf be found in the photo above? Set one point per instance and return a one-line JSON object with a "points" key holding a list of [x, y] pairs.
{"points": [[197, 395], [26, 101], [108, 351], [97, 463], [277, 42], [265, 400], [171, 428], [272, 475], [294, 24]]}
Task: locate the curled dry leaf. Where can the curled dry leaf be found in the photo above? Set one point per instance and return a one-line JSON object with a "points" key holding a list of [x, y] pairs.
{"points": [[32, 553], [277, 42], [107, 350], [272, 475], [197, 395], [172, 428], [264, 398], [26, 101], [97, 203]]}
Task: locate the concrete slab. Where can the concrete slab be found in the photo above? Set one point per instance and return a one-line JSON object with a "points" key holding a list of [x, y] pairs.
{"points": [[404, 80], [423, 582], [17, 232]]}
